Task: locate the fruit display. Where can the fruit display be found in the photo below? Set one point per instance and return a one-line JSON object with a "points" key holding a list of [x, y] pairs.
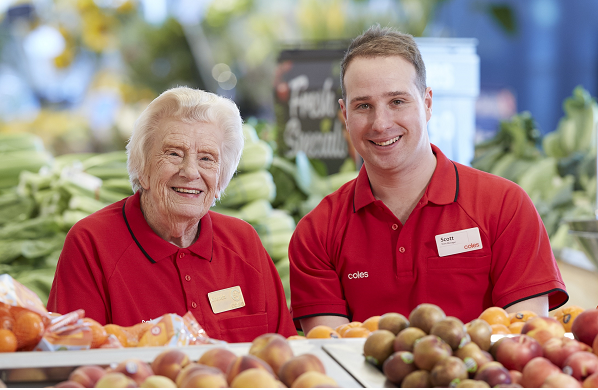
{"points": [[435, 350], [269, 362]]}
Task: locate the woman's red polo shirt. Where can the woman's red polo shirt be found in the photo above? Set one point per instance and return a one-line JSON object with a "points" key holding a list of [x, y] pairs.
{"points": [[352, 257], [116, 268]]}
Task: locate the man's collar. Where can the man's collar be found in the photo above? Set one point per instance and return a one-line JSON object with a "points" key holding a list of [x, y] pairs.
{"points": [[443, 188], [153, 246]]}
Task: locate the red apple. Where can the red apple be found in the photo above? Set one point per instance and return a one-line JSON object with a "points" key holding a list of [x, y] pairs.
{"points": [[557, 350], [493, 373], [515, 352], [536, 371], [516, 376], [585, 326], [429, 350], [581, 365], [595, 345], [398, 366], [591, 381], [543, 328], [560, 380]]}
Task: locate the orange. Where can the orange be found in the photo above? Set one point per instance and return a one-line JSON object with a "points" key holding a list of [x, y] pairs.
{"points": [[322, 332], [500, 329], [8, 341], [119, 332], [521, 316], [296, 337], [28, 328], [98, 333], [6, 321], [496, 316], [566, 316], [359, 331], [342, 328], [155, 336], [516, 327], [371, 323]]}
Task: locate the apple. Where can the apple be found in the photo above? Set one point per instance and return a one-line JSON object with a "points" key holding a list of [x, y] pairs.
{"points": [[560, 380], [272, 348], [581, 365], [169, 363], [585, 326], [515, 352], [543, 328], [473, 356], [217, 357], [557, 350], [87, 376], [480, 333], [493, 373], [591, 381], [595, 345], [516, 376], [449, 371], [536, 371], [398, 366]]}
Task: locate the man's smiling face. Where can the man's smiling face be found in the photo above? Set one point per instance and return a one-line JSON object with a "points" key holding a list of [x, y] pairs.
{"points": [[385, 113]]}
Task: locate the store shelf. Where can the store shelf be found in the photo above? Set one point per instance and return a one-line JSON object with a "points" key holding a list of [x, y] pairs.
{"points": [[40, 369]]}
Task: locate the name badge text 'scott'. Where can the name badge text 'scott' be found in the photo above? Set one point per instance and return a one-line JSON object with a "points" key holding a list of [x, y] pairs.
{"points": [[460, 241]]}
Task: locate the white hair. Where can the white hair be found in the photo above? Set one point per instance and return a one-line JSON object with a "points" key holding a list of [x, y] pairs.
{"points": [[190, 106]]}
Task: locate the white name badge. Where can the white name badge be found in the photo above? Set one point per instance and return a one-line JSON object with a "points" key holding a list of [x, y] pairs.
{"points": [[227, 299], [466, 240]]}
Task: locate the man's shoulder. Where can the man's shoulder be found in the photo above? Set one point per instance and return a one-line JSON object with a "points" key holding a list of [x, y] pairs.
{"points": [[485, 183]]}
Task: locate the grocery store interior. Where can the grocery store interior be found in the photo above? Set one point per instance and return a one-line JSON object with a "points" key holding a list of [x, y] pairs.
{"points": [[515, 86]]}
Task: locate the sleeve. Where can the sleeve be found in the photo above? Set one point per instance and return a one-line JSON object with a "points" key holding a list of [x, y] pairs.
{"points": [[315, 285], [523, 262], [79, 281]]}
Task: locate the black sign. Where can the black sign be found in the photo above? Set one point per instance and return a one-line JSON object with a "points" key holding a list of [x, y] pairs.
{"points": [[307, 89]]}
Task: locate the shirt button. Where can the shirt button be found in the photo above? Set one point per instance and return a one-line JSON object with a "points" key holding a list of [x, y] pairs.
{"points": [[187, 277], [193, 305], [395, 226], [402, 249], [181, 255]]}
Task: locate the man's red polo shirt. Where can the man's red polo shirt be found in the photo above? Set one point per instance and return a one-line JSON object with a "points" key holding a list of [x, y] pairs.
{"points": [[116, 268], [352, 257]]}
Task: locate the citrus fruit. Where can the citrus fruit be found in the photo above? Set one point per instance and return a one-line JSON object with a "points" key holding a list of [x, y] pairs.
{"points": [[28, 328], [371, 323], [8, 341], [322, 332], [500, 329], [342, 328], [521, 316], [566, 316], [119, 332], [98, 333], [496, 316], [359, 331], [516, 327]]}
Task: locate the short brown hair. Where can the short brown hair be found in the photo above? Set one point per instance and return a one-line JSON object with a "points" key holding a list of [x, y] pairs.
{"points": [[385, 42]]}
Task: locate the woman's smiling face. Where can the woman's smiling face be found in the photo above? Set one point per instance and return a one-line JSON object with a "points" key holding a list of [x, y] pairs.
{"points": [[182, 175]]}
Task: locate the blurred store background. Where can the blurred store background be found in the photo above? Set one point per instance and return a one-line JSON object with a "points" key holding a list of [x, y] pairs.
{"points": [[515, 86]]}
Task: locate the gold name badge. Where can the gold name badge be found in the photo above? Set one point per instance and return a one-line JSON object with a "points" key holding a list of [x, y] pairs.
{"points": [[227, 299]]}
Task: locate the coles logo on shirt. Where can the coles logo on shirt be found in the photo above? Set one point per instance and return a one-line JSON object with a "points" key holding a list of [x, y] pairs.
{"points": [[358, 275]]}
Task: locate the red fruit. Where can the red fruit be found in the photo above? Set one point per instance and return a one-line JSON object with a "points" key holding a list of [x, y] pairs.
{"points": [[557, 350], [536, 371], [515, 352], [585, 326], [581, 365]]}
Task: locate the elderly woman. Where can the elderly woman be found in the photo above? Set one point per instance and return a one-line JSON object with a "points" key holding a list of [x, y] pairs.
{"points": [[161, 250]]}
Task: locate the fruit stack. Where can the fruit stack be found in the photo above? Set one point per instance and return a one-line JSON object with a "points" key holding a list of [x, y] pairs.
{"points": [[270, 362], [430, 349]]}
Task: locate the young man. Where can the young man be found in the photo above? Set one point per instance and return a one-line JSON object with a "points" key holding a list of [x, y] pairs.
{"points": [[414, 227]]}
